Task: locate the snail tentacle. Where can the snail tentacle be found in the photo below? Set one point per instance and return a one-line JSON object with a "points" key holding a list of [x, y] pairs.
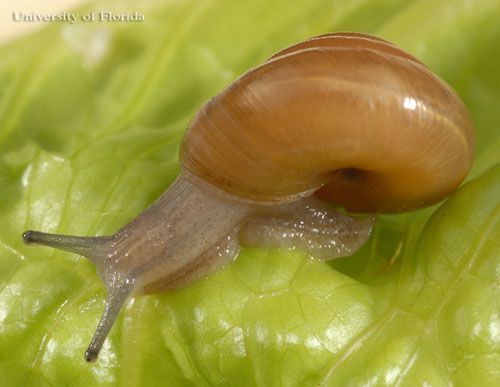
{"points": [[89, 247], [117, 295]]}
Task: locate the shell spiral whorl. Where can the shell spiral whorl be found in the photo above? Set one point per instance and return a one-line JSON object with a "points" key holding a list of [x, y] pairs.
{"points": [[348, 115]]}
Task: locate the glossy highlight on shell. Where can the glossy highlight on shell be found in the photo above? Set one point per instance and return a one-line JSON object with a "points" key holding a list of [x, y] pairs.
{"points": [[343, 118]]}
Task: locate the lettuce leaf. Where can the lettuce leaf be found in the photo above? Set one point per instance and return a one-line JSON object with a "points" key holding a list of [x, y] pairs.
{"points": [[91, 116]]}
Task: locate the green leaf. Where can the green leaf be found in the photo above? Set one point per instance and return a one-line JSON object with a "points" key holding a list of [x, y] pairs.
{"points": [[89, 133]]}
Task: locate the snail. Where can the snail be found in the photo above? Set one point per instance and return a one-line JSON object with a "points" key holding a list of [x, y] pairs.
{"points": [[342, 118]]}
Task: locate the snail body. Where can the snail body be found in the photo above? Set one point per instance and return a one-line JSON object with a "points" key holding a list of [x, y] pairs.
{"points": [[344, 118]]}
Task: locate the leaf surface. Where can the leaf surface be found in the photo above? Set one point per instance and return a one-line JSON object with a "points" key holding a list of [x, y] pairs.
{"points": [[89, 134]]}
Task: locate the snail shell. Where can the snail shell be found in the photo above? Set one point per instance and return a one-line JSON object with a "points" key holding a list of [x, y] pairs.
{"points": [[350, 115], [348, 118]]}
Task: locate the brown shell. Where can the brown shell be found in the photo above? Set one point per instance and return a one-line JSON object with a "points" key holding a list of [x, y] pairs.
{"points": [[348, 115]]}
